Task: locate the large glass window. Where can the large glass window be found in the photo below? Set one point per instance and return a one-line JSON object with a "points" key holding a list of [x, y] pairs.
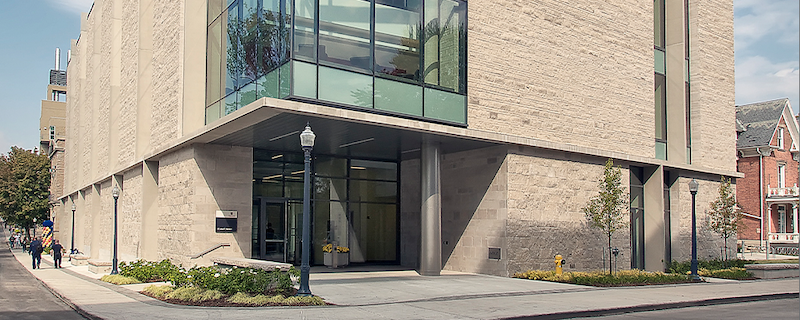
{"points": [[445, 44], [304, 39], [397, 33], [344, 33]]}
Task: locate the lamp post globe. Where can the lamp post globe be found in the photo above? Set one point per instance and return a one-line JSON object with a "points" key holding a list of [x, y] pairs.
{"points": [[307, 142], [115, 194], [72, 233], [693, 187]]}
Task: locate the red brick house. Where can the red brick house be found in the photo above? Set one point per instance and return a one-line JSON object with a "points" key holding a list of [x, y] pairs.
{"points": [[767, 154]]}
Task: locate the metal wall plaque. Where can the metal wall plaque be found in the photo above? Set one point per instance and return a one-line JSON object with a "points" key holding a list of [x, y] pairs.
{"points": [[494, 253], [226, 220]]}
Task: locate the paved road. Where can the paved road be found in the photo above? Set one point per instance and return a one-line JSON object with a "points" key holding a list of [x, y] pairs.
{"points": [[22, 296], [770, 309]]}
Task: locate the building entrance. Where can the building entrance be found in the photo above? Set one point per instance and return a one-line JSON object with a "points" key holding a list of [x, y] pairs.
{"points": [[275, 234]]}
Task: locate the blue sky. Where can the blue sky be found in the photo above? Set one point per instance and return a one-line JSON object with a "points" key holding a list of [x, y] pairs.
{"points": [[766, 43]]}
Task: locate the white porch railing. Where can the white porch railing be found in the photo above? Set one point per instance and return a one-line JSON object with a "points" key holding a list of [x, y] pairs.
{"points": [[783, 192], [784, 237]]}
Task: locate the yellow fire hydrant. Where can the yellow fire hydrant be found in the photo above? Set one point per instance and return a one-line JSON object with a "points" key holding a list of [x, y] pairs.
{"points": [[560, 261]]}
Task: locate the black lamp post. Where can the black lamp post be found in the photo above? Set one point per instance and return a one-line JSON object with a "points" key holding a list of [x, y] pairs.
{"points": [[115, 194], [72, 246], [307, 142], [693, 186]]}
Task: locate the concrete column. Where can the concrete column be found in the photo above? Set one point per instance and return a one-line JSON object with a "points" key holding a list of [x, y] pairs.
{"points": [[149, 232], [654, 226], [430, 261]]}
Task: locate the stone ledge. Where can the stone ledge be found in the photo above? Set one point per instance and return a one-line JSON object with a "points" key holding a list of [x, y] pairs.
{"points": [[78, 259], [774, 271], [251, 263], [99, 266]]}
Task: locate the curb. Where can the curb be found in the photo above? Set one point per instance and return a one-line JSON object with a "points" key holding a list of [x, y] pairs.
{"points": [[655, 307]]}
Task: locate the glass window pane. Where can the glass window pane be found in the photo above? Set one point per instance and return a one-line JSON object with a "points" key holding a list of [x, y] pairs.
{"points": [[305, 80], [247, 94], [445, 106], [304, 12], [373, 191], [330, 224], [268, 84], [234, 62], [285, 76], [398, 97], [212, 112], [660, 62], [344, 87], [397, 25], [248, 35], [230, 104], [330, 167], [330, 189], [374, 170], [273, 38], [661, 150], [214, 86], [344, 35], [267, 179], [658, 23], [374, 232], [660, 106], [215, 7], [445, 44]]}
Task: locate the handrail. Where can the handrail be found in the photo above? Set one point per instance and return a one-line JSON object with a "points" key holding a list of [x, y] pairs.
{"points": [[215, 247]]}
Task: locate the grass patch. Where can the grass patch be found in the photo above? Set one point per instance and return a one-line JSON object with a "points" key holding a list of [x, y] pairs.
{"points": [[603, 279], [729, 273], [118, 279], [157, 291]]}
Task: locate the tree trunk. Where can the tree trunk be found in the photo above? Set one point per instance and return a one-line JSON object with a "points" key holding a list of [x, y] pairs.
{"points": [[609, 256]]}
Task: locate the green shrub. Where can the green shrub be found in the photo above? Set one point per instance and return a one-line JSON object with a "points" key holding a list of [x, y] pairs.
{"points": [[730, 273], [262, 300], [714, 264], [148, 271], [602, 278], [119, 279], [158, 291]]}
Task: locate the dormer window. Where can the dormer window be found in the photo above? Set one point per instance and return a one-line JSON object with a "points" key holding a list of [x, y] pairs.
{"points": [[780, 138]]}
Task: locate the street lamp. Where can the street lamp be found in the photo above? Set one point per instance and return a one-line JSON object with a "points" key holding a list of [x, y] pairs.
{"points": [[307, 142], [115, 194], [693, 186], [72, 246]]}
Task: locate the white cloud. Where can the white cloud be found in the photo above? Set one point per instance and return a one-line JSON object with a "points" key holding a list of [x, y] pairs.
{"points": [[757, 20], [73, 6], [759, 79]]}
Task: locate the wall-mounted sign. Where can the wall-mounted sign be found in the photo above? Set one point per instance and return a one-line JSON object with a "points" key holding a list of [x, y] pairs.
{"points": [[226, 220]]}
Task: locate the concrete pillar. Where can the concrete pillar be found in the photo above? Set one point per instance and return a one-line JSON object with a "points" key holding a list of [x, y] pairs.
{"points": [[431, 211], [654, 225], [149, 232]]}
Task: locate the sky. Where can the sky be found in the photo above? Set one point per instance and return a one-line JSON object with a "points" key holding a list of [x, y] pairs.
{"points": [[766, 34]]}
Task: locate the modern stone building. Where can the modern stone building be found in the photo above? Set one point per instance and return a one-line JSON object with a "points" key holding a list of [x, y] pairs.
{"points": [[458, 135]]}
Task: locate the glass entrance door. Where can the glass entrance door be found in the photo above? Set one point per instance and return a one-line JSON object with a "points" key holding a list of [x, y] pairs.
{"points": [[269, 230]]}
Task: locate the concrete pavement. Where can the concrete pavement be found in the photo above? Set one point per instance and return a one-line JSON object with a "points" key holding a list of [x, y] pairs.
{"points": [[406, 295]]}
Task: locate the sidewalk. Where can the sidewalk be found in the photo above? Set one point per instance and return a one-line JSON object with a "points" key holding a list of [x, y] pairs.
{"points": [[405, 295]]}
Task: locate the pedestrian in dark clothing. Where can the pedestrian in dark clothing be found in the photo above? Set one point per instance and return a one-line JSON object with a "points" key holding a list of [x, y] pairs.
{"points": [[57, 249], [36, 250]]}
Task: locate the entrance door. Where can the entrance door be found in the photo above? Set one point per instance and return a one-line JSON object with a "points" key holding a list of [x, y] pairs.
{"points": [[276, 230]]}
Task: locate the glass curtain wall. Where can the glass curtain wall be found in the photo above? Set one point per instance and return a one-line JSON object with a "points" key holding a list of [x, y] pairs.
{"points": [[659, 49], [400, 57], [637, 217], [247, 43], [354, 201]]}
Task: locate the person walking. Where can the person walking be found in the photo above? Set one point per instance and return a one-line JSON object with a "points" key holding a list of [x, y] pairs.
{"points": [[57, 250], [35, 250], [11, 241]]}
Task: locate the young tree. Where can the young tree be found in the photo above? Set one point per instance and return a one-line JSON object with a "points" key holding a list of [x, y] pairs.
{"points": [[606, 211], [726, 217], [24, 187]]}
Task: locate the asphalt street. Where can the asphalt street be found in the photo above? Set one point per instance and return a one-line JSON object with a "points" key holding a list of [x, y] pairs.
{"points": [[22, 296], [770, 309]]}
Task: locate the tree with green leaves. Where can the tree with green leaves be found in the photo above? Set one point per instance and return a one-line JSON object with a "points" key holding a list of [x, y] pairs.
{"points": [[24, 187], [725, 215], [606, 211]]}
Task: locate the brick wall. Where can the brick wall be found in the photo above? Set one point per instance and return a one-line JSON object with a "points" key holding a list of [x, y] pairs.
{"points": [[748, 195]]}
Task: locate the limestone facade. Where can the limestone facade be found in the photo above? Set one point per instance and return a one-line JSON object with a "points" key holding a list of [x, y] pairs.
{"points": [[543, 116]]}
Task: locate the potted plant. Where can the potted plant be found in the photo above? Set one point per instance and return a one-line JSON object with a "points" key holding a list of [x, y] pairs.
{"points": [[335, 256]]}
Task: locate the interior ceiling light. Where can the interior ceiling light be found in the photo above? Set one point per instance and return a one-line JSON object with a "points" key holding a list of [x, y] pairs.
{"points": [[272, 177], [276, 157], [298, 172], [358, 168], [409, 151], [356, 142], [284, 136]]}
